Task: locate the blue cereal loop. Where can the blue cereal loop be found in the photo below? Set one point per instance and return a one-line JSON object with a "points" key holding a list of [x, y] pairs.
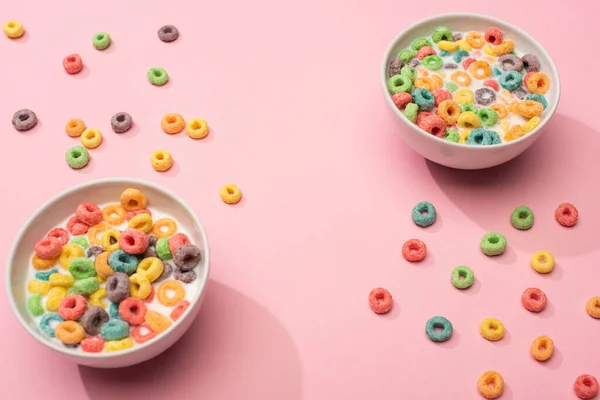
{"points": [[497, 72], [113, 311], [423, 214], [482, 137], [120, 261], [46, 320], [424, 98], [444, 53], [114, 329], [45, 275], [539, 98], [511, 80], [459, 55]]}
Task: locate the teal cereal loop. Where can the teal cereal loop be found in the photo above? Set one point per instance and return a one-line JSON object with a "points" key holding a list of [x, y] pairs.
{"points": [[452, 135], [35, 305], [423, 214], [440, 323], [113, 311], [120, 261], [82, 268], [511, 80], [114, 329], [407, 55], [409, 72], [469, 107], [444, 53], [420, 42], [495, 138], [81, 242], [45, 322], [483, 137], [451, 86], [162, 245], [496, 72], [462, 277], [423, 98], [493, 244], [459, 55], [84, 286], [399, 84], [441, 33], [433, 62], [522, 218], [488, 116], [410, 112], [539, 98], [45, 275]]}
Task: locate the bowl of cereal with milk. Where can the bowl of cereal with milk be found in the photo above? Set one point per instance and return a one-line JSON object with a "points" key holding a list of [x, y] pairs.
{"points": [[109, 273], [469, 91]]}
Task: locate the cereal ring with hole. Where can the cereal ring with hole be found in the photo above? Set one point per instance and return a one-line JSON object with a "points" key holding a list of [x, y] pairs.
{"points": [[114, 329], [113, 214], [440, 95], [77, 157], [170, 293], [463, 96], [157, 321], [462, 277], [395, 66], [69, 253], [179, 309], [424, 82], [480, 69], [39, 287], [475, 40], [72, 307], [380, 300], [45, 275], [400, 83], [460, 78], [142, 333], [542, 348], [120, 261], [230, 194], [438, 323], [493, 244], [534, 300], [492, 84], [483, 137], [452, 135], [93, 319], [586, 386], [531, 63], [514, 133], [510, 62], [133, 241], [539, 98], [187, 257], [45, 321], [593, 307], [177, 240], [184, 276], [506, 47], [94, 251], [95, 233], [133, 311], [449, 111], [420, 42], [566, 214], [60, 234], [468, 120], [133, 200], [424, 214], [493, 35], [402, 99], [140, 286], [500, 110], [85, 286], [157, 76], [421, 116], [425, 51], [538, 83], [41, 264], [441, 33], [75, 127], [522, 218], [407, 55], [13, 29], [91, 138], [69, 332], [435, 125], [88, 213], [433, 63], [48, 248], [110, 240], [530, 108], [103, 269], [161, 160], [168, 33], [414, 250], [151, 268], [542, 261], [121, 122], [485, 96], [24, 120], [76, 227], [141, 222], [101, 40], [491, 329], [490, 385], [423, 98], [488, 116], [73, 64], [92, 344], [117, 287], [172, 123]]}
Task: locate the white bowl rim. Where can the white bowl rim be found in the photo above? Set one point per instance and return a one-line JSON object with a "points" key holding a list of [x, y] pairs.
{"points": [[118, 354], [385, 66]]}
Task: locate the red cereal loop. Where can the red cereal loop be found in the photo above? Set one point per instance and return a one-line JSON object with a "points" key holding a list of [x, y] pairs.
{"points": [[89, 213], [142, 333], [177, 240], [566, 214], [76, 227], [131, 214], [133, 311], [60, 234], [586, 386], [414, 250], [92, 344], [48, 248], [179, 309], [380, 300], [151, 295], [433, 124], [72, 307], [527, 76], [493, 36], [401, 99], [440, 95], [72, 63], [133, 241], [422, 115], [467, 62], [492, 84], [425, 51], [534, 300]]}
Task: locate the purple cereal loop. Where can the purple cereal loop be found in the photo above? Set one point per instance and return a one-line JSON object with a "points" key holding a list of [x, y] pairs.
{"points": [[24, 120], [187, 256], [117, 287], [414, 62], [167, 270], [510, 62], [395, 66], [185, 277], [121, 122], [168, 33], [450, 66], [94, 251], [92, 320], [531, 63], [456, 37], [485, 96]]}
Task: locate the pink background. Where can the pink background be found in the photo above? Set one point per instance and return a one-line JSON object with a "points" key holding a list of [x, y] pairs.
{"points": [[291, 93]]}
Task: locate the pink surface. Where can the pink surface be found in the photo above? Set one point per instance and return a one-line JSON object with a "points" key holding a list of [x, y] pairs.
{"points": [[291, 92]]}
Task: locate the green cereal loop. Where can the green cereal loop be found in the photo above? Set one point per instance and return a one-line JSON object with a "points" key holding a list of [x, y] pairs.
{"points": [[441, 33], [158, 76], [81, 241], [407, 55], [101, 40], [399, 83], [410, 112], [45, 275], [433, 62], [522, 218], [420, 42], [409, 72], [465, 273], [77, 157], [82, 268], [84, 286], [451, 86], [162, 249], [35, 305], [452, 135], [488, 116], [469, 107], [493, 244]]}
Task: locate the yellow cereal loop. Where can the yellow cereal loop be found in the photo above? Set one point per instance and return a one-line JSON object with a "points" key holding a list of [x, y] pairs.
{"points": [[13, 29], [439, 82], [197, 128], [141, 222], [42, 265], [55, 297], [464, 45], [38, 287], [164, 227], [450, 47], [172, 287], [463, 136], [69, 253], [425, 83], [151, 267], [102, 268], [140, 286], [157, 322], [542, 261], [531, 124], [506, 47], [492, 329], [91, 138], [487, 49], [95, 231], [63, 280], [110, 240], [475, 40], [469, 120], [97, 297], [118, 345], [514, 133], [161, 160], [230, 194], [113, 214], [461, 79], [500, 110]]}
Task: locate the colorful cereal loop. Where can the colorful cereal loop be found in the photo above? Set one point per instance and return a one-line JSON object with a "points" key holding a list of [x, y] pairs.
{"points": [[566, 214], [439, 82], [110, 240], [172, 123], [157, 322], [118, 345], [500, 110], [96, 298], [151, 267], [133, 200], [63, 280], [506, 47], [172, 287], [529, 108], [490, 385], [593, 307], [197, 128], [425, 83], [230, 194], [113, 214], [469, 120], [91, 138], [75, 127], [475, 40], [103, 269], [463, 96], [55, 297], [586, 386], [514, 133], [542, 348], [141, 222], [449, 111], [42, 265], [480, 69], [39, 287], [69, 332], [461, 78], [142, 333], [464, 45], [92, 344], [35, 306], [164, 227], [179, 309], [448, 46], [531, 124], [542, 261], [491, 329], [13, 29], [161, 160], [538, 83], [140, 286], [414, 250], [95, 233]]}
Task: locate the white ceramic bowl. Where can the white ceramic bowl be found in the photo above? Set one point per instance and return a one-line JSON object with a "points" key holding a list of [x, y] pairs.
{"points": [[456, 155], [62, 206]]}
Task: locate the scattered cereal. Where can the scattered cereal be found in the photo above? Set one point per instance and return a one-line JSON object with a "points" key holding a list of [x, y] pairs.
{"points": [[13, 29], [566, 214], [440, 323], [197, 128], [542, 261], [593, 307], [230, 194], [490, 385], [73, 64], [121, 122], [522, 218], [380, 300], [493, 244], [534, 300], [168, 33], [491, 329], [542, 348], [424, 214], [462, 277], [161, 160], [157, 76], [586, 386], [77, 157], [91, 138], [414, 250], [24, 120], [101, 41]]}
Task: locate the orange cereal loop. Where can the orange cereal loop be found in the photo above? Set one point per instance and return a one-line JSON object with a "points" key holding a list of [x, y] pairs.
{"points": [[512, 106], [230, 194], [157, 321], [425, 83], [141, 222], [593, 307], [161, 160], [538, 83], [475, 40], [42, 265], [172, 123], [514, 133], [506, 47], [439, 82], [197, 128], [69, 332], [500, 110], [164, 227], [102, 268], [91, 138], [461, 78], [95, 233], [480, 69], [75, 127], [490, 385], [133, 199], [542, 348], [449, 111], [530, 108], [113, 214]]}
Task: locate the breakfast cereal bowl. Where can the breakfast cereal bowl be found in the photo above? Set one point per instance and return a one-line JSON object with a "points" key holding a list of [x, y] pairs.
{"points": [[440, 149], [20, 272]]}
